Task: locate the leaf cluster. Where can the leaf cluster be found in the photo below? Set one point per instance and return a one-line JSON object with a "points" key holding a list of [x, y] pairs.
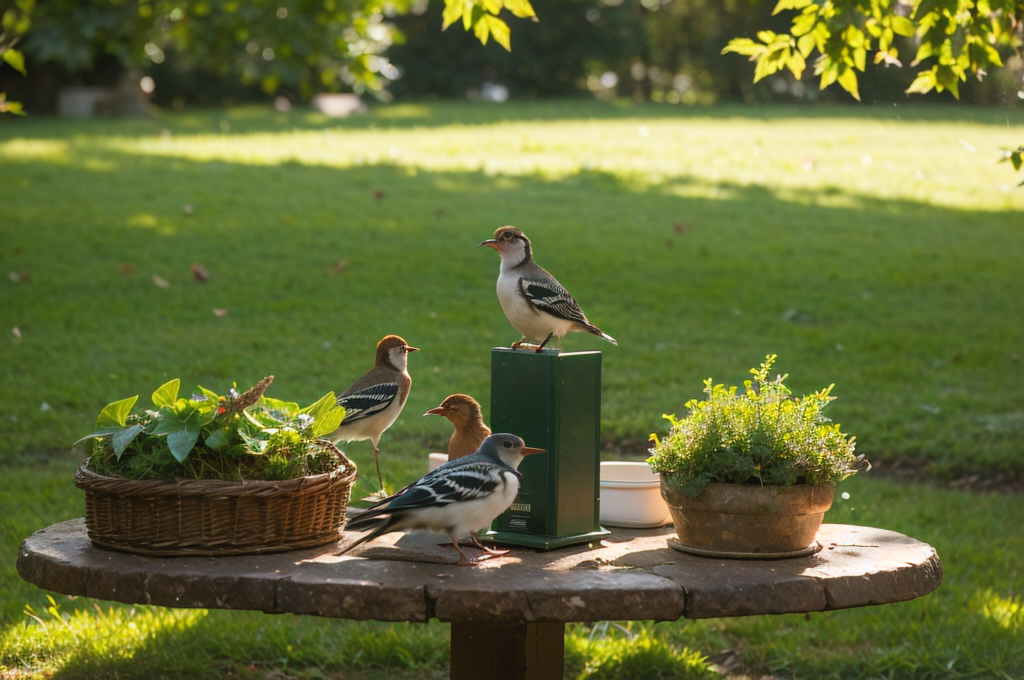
{"points": [[481, 17], [762, 435], [956, 37], [212, 436]]}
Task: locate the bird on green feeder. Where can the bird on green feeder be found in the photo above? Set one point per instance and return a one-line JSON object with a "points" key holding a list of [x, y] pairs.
{"points": [[536, 304]]}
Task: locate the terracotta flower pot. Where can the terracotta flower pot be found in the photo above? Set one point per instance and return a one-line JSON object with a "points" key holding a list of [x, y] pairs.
{"points": [[747, 521]]}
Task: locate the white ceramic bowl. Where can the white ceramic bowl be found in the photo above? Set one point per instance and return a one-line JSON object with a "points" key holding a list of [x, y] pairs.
{"points": [[631, 496], [436, 460]]}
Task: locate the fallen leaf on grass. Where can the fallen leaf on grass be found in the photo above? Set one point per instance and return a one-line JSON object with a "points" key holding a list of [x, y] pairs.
{"points": [[16, 332], [339, 267], [18, 277], [187, 209], [682, 227], [378, 194], [161, 281], [125, 268], [199, 272], [220, 312]]}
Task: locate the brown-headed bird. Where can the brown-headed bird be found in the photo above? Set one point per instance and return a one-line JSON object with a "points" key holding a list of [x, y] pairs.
{"points": [[470, 431], [373, 402]]}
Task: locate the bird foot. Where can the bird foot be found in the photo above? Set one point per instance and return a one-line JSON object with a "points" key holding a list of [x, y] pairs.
{"points": [[495, 553]]}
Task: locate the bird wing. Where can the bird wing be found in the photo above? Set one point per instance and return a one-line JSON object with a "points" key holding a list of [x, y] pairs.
{"points": [[367, 401], [442, 486], [549, 296]]}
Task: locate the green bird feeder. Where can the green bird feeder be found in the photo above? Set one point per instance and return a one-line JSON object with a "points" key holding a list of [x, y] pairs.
{"points": [[553, 401]]}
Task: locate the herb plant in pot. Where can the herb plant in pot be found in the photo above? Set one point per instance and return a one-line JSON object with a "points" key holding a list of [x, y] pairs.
{"points": [[751, 474], [215, 475]]}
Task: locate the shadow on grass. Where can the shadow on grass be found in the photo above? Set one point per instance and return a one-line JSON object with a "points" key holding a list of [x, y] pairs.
{"points": [[408, 115]]}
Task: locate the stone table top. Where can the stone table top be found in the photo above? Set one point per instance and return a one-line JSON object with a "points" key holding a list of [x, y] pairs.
{"points": [[633, 574]]}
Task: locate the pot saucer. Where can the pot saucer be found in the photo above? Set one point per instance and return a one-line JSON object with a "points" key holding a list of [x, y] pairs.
{"points": [[676, 544]]}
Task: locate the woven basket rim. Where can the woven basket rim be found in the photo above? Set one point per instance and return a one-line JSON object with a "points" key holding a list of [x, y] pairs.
{"points": [[89, 480]]}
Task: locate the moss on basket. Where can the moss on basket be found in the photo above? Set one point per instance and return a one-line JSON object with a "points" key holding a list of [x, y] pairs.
{"points": [[211, 436], [761, 436]]}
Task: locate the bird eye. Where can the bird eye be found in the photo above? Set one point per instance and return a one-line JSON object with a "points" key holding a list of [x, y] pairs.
{"points": [[507, 445]]}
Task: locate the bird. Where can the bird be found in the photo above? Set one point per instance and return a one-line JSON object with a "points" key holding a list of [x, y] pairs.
{"points": [[458, 498], [536, 304], [373, 402], [470, 431]]}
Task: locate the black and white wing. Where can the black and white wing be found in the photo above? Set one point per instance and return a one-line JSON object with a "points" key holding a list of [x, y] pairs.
{"points": [[438, 487], [367, 401], [549, 296]]}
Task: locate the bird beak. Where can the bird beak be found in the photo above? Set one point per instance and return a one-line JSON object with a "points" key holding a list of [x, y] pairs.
{"points": [[491, 243], [529, 450], [436, 411], [411, 349]]}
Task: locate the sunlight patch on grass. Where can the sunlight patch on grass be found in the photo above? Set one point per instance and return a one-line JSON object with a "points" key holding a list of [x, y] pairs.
{"points": [[53, 639], [1007, 612], [920, 161], [151, 221], [49, 150]]}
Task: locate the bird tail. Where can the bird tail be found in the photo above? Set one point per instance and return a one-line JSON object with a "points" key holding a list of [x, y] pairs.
{"points": [[382, 527]]}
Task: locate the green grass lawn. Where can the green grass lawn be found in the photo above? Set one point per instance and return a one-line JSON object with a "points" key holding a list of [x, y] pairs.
{"points": [[880, 249]]}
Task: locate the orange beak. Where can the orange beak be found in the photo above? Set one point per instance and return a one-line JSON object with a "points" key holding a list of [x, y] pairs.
{"points": [[436, 411], [411, 349], [529, 450], [491, 243]]}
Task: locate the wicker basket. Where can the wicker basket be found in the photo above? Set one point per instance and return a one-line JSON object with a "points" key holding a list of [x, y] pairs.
{"points": [[213, 517]]}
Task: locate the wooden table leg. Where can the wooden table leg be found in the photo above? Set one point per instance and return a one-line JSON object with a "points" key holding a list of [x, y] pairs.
{"points": [[523, 651]]}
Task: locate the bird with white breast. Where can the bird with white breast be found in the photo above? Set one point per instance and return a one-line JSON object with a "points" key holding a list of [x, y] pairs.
{"points": [[536, 304], [457, 499], [463, 411], [373, 402]]}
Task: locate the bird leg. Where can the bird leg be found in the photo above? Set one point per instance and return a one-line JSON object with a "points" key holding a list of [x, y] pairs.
{"points": [[463, 560], [380, 479], [546, 340], [518, 343], [489, 551]]}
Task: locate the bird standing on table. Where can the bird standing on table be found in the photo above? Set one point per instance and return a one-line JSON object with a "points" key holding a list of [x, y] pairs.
{"points": [[470, 431], [535, 303], [458, 499], [373, 402]]}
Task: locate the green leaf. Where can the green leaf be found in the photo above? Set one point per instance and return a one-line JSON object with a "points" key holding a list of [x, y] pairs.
{"points": [[902, 26], [744, 46], [925, 82], [181, 442], [500, 31], [286, 408], [329, 422], [453, 11], [16, 60], [848, 81], [166, 394], [218, 439], [123, 438], [790, 4], [115, 413], [520, 8], [103, 432]]}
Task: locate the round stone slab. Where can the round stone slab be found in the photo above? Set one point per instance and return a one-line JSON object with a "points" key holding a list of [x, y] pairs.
{"points": [[632, 574]]}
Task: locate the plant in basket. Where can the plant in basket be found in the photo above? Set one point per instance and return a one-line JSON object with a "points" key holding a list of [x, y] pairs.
{"points": [[215, 474], [751, 474]]}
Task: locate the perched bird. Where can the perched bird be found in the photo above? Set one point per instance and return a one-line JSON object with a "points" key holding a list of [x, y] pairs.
{"points": [[373, 402], [470, 431], [535, 303], [458, 499]]}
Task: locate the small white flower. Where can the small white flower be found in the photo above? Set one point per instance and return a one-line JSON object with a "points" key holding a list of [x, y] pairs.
{"points": [[305, 420]]}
